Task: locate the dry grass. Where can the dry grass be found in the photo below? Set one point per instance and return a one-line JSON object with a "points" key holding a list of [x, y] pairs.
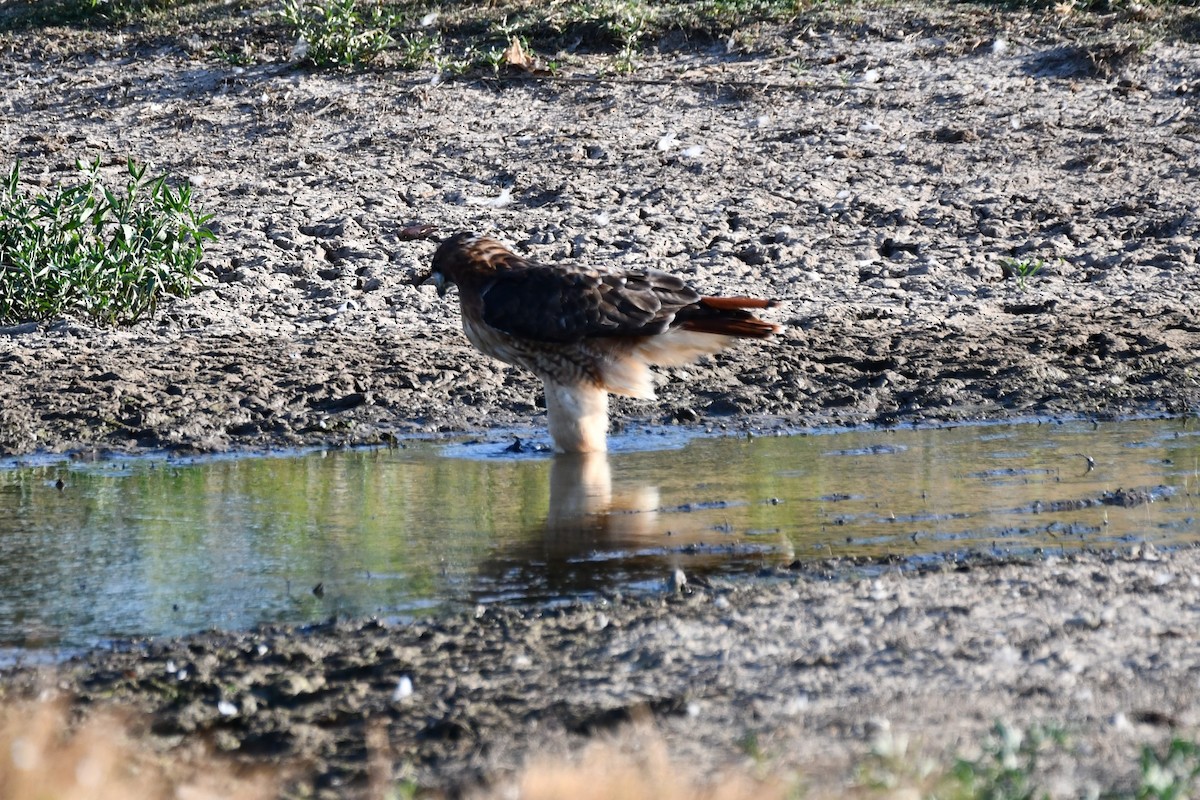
{"points": [[609, 770], [47, 756]]}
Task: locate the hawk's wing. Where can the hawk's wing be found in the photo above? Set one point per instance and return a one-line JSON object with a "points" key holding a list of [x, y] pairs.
{"points": [[564, 304]]}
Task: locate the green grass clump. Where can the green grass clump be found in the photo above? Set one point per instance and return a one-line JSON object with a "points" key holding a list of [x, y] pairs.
{"points": [[1022, 269], [85, 248], [1006, 768], [337, 32], [456, 38], [1171, 776], [1011, 765]]}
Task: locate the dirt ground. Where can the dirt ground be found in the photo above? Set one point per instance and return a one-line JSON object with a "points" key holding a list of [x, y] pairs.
{"points": [[873, 170], [873, 175]]}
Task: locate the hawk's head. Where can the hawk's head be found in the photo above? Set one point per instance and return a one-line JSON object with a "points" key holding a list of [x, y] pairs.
{"points": [[453, 258], [465, 256]]}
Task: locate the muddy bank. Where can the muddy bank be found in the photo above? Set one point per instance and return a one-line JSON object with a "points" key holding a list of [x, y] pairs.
{"points": [[73, 389], [803, 671]]}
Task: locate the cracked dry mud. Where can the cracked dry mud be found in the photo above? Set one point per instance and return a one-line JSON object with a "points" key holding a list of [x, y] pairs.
{"points": [[873, 172]]}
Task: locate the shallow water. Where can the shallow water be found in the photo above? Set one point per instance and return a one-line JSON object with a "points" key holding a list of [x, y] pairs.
{"points": [[163, 546]]}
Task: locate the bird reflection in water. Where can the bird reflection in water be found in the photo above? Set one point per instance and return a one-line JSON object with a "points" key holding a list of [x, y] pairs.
{"points": [[594, 538], [581, 499]]}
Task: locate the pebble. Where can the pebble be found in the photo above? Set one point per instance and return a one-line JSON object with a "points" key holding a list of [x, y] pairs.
{"points": [[403, 690], [678, 581]]}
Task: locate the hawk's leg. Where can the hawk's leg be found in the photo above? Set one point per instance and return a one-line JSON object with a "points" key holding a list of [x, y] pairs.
{"points": [[577, 416]]}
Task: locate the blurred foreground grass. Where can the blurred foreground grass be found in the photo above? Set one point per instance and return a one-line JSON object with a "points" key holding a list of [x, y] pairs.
{"points": [[47, 753]]}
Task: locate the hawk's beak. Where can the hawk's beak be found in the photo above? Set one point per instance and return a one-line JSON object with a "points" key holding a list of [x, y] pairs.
{"points": [[436, 279]]}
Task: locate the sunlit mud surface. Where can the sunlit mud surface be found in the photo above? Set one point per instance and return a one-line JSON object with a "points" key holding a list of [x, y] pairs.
{"points": [[163, 546]]}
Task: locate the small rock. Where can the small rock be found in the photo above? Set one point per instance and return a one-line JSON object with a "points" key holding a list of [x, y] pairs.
{"points": [[678, 581], [403, 690], [753, 256], [686, 415]]}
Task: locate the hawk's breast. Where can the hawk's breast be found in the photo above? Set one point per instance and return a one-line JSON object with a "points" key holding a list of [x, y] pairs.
{"points": [[564, 363]]}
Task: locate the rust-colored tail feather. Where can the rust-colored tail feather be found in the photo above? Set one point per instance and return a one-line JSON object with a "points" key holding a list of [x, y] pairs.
{"points": [[727, 316], [732, 303], [749, 328]]}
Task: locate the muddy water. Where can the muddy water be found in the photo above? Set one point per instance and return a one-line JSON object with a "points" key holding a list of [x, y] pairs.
{"points": [[163, 546]]}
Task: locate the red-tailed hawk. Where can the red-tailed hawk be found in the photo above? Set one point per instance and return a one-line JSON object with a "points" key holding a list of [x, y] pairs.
{"points": [[584, 331]]}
